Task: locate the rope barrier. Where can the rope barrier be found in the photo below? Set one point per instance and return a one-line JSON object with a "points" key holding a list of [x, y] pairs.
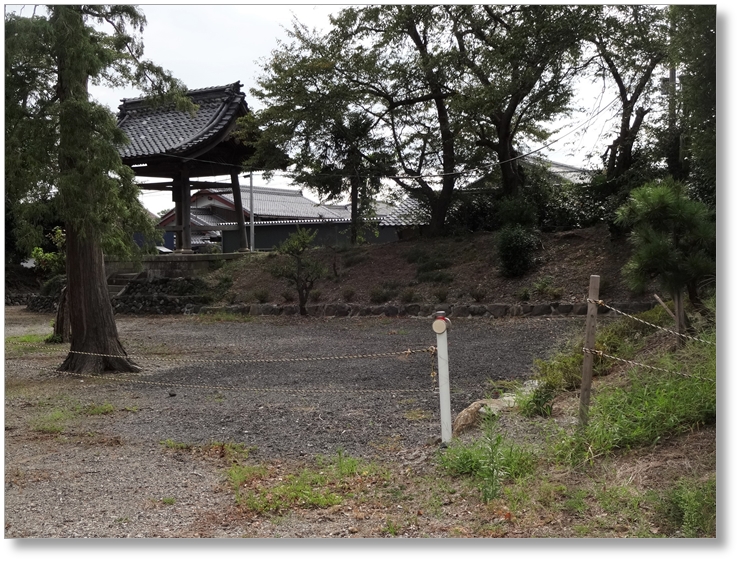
{"points": [[602, 303], [636, 364], [175, 384], [406, 353]]}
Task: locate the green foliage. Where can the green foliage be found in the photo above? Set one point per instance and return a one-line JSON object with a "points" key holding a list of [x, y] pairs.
{"points": [[52, 263], [673, 238], [298, 269], [516, 211], [348, 294], [692, 507], [53, 286], [543, 287], [537, 402], [693, 49], [408, 296], [516, 248]]}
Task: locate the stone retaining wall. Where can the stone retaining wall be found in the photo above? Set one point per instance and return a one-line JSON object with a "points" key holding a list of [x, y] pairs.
{"points": [[156, 297], [427, 310]]}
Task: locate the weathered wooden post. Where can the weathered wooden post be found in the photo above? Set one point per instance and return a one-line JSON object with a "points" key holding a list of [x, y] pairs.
{"points": [[588, 357], [440, 326]]}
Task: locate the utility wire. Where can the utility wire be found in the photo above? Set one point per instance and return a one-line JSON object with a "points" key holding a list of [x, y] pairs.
{"points": [[419, 176]]}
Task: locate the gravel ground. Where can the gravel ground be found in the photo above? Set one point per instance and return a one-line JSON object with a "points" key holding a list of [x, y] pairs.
{"points": [[106, 475]]}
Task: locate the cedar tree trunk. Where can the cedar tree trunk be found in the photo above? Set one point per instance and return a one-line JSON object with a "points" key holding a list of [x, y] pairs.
{"points": [[93, 325]]}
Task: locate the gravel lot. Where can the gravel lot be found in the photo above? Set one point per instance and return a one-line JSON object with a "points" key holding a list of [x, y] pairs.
{"points": [[105, 476]]}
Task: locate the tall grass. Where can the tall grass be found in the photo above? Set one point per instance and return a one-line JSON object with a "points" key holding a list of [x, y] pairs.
{"points": [[652, 405]]}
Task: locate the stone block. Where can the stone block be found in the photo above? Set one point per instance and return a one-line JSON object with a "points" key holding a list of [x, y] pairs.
{"points": [[498, 310]]}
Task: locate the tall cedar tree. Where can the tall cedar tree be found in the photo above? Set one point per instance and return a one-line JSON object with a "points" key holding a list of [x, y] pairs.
{"points": [[95, 194]]}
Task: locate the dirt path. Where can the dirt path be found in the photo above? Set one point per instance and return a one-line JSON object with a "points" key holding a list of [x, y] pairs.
{"points": [[109, 475]]}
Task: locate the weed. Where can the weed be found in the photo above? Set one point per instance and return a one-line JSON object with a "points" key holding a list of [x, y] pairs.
{"points": [[522, 294], [489, 461], [537, 402], [314, 295], [177, 445], [307, 489], [102, 410], [576, 502], [239, 475], [348, 294], [391, 528], [168, 500], [288, 296], [417, 415]]}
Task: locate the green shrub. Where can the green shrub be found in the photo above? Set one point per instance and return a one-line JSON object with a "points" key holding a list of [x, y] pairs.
{"points": [[314, 295], [53, 286], [436, 277], [262, 295], [441, 294], [379, 295], [478, 294], [409, 295], [516, 247], [515, 211]]}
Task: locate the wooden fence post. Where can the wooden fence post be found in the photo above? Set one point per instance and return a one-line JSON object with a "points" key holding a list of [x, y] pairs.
{"points": [[588, 358]]}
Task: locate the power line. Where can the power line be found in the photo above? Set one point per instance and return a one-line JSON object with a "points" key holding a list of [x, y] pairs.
{"points": [[481, 169]]}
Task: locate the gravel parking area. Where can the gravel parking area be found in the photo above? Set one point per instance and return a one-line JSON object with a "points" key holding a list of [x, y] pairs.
{"points": [[103, 476]]}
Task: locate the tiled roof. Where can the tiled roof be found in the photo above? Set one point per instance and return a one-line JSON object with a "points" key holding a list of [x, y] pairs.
{"points": [[282, 203], [163, 130]]}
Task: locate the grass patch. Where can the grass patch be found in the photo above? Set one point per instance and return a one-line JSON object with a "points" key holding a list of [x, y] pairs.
{"points": [[650, 405], [177, 445], [28, 344], [53, 422], [328, 483], [223, 316]]}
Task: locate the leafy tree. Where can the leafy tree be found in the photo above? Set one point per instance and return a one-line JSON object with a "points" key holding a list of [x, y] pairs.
{"points": [[312, 119], [73, 141], [518, 64], [673, 239], [380, 69], [693, 51], [631, 43], [296, 268]]}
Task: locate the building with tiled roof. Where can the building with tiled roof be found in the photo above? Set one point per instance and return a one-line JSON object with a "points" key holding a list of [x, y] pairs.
{"points": [[176, 146], [277, 212]]}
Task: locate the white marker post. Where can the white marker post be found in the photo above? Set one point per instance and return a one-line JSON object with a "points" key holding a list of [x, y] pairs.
{"points": [[440, 327]]}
